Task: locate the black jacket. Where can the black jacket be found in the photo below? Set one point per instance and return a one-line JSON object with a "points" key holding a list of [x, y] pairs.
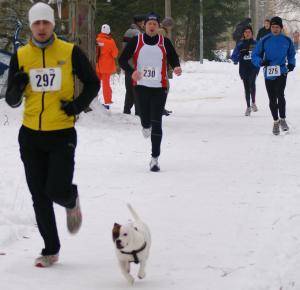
{"points": [[242, 55], [262, 32]]}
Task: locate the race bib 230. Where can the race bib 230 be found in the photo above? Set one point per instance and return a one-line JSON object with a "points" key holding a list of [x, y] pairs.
{"points": [[150, 73]]}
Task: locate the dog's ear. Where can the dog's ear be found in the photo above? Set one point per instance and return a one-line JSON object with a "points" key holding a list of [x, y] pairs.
{"points": [[116, 231]]}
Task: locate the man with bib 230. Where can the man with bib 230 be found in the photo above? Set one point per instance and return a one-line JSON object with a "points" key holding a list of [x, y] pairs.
{"points": [[43, 72], [151, 53], [271, 52]]}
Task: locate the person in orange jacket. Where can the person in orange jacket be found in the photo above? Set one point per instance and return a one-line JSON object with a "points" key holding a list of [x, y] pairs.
{"points": [[106, 52]]}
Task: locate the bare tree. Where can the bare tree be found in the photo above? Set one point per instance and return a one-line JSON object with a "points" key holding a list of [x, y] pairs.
{"points": [[289, 11]]}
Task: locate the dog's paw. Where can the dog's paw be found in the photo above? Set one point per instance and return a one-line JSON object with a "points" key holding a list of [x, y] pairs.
{"points": [[141, 274]]}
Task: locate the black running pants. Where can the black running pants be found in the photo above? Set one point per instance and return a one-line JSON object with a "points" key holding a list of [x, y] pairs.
{"points": [[250, 87], [130, 98], [48, 159], [275, 89], [152, 102]]}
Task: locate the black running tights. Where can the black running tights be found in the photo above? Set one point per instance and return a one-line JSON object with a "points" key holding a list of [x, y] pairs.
{"points": [[275, 89], [152, 102], [250, 88]]}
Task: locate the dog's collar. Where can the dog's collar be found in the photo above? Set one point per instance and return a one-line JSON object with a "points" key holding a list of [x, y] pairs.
{"points": [[135, 252]]}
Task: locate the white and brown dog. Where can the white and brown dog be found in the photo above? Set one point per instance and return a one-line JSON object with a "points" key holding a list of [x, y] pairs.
{"points": [[132, 243]]}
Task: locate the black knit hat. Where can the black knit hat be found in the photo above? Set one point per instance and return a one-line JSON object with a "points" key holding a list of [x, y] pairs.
{"points": [[276, 21], [152, 16], [138, 18]]}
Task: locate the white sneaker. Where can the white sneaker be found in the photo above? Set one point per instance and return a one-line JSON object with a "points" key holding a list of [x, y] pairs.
{"points": [[154, 166], [46, 261], [276, 130], [283, 124], [74, 218], [248, 111], [254, 107], [146, 132]]}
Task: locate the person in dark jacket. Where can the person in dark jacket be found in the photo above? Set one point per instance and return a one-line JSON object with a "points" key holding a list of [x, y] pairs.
{"points": [[130, 99], [43, 72], [264, 30], [151, 53], [237, 35], [248, 72], [276, 53]]}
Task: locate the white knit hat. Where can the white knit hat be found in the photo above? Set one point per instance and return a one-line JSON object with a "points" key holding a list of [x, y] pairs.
{"points": [[41, 11], [105, 29]]}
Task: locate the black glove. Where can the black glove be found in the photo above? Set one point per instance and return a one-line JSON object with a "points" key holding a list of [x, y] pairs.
{"points": [[290, 67], [21, 79], [265, 62], [69, 108], [13, 95]]}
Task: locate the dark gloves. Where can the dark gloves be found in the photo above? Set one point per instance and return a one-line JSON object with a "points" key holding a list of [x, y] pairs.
{"points": [[290, 67], [21, 79], [265, 62], [69, 108], [15, 89]]}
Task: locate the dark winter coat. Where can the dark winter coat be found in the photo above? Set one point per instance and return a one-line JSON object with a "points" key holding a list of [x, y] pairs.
{"points": [[242, 54], [262, 32]]}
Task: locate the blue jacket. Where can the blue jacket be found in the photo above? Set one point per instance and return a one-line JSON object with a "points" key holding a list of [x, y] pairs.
{"points": [[276, 49], [242, 54]]}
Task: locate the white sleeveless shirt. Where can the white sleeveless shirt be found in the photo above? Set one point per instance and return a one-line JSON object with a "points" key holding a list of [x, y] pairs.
{"points": [[151, 62]]}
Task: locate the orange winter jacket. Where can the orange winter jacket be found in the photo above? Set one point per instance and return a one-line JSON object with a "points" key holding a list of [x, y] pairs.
{"points": [[106, 52]]}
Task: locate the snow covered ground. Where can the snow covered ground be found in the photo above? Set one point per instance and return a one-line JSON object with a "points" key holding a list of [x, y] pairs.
{"points": [[224, 211]]}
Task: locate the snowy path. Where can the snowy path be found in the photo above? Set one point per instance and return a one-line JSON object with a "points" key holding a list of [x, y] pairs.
{"points": [[224, 211]]}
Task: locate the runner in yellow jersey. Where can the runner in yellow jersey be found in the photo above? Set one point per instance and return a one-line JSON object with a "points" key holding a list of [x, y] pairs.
{"points": [[42, 72]]}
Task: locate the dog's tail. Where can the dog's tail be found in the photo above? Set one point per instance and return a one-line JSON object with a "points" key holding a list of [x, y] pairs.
{"points": [[133, 212]]}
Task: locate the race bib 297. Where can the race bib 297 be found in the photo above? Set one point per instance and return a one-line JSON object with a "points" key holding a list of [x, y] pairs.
{"points": [[45, 79]]}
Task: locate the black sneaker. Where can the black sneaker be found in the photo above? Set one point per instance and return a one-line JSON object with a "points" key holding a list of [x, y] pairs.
{"points": [[167, 112]]}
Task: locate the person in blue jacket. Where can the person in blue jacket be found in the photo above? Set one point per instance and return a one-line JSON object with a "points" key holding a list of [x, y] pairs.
{"points": [[248, 72], [276, 53]]}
